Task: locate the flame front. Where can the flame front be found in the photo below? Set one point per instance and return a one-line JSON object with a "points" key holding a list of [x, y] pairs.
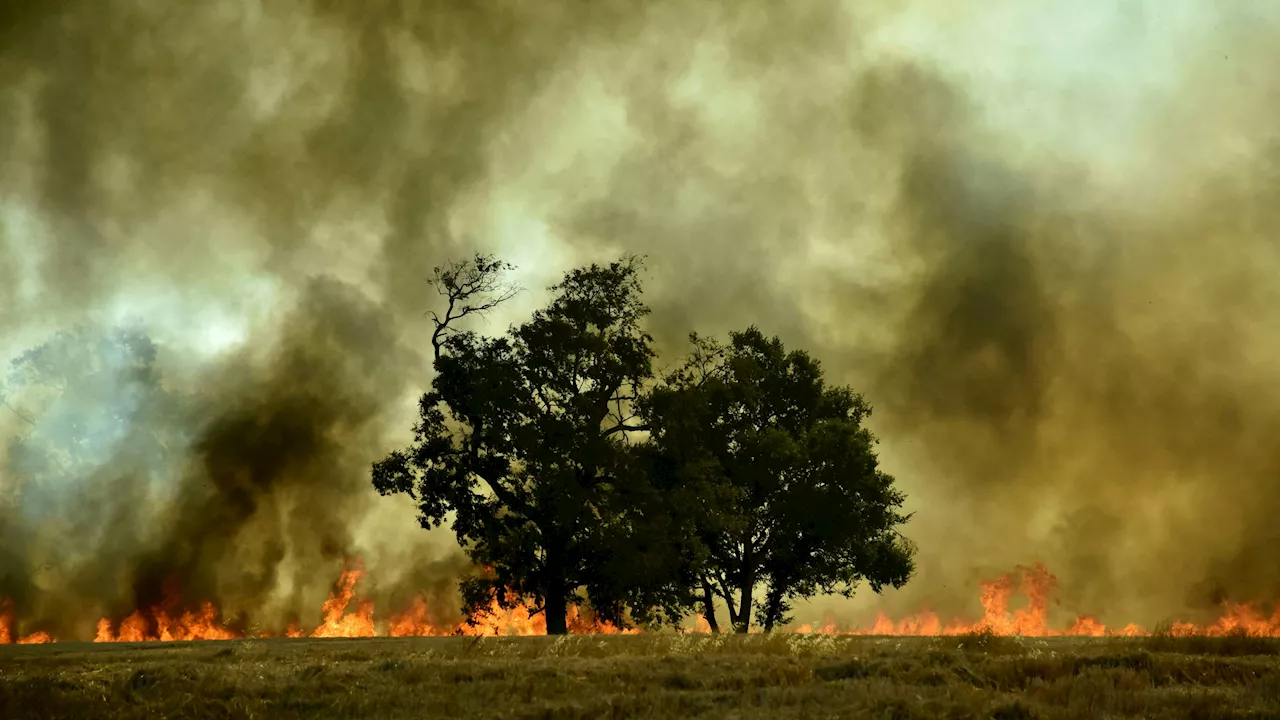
{"points": [[160, 625], [8, 631], [1037, 584], [337, 623], [496, 620], [337, 619]]}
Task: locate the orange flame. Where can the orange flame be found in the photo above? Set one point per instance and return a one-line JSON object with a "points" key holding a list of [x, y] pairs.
{"points": [[337, 623], [8, 630], [338, 619], [494, 620], [1037, 584], [138, 627], [414, 622]]}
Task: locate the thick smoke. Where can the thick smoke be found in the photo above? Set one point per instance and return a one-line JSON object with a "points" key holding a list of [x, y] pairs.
{"points": [[1085, 366], [1041, 241], [264, 188]]}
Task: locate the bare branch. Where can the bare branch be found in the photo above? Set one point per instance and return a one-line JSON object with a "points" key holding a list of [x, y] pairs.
{"points": [[20, 415], [474, 286], [623, 427], [503, 493]]}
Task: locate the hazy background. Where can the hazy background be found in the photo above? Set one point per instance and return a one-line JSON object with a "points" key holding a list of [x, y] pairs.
{"points": [[1041, 237]]}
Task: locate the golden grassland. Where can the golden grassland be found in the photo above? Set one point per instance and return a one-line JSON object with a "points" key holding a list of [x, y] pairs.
{"points": [[653, 676]]}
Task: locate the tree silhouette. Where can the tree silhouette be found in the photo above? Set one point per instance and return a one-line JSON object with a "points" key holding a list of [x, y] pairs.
{"points": [[474, 286], [98, 425], [89, 399], [791, 498], [522, 439]]}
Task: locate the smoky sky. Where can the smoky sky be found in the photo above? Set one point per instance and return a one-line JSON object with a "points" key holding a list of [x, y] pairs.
{"points": [[1040, 240]]}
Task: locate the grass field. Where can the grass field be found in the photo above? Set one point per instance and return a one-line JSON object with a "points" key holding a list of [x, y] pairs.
{"points": [[656, 676]]}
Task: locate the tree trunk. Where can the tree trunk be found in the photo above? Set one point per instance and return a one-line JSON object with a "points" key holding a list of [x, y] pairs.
{"points": [[773, 609], [709, 607], [746, 585], [556, 609], [733, 613], [743, 623], [555, 603]]}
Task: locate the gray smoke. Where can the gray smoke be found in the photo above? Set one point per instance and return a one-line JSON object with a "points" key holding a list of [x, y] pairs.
{"points": [[1039, 239]]}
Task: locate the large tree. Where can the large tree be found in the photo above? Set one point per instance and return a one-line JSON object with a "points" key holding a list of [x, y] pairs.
{"points": [[522, 440], [791, 501]]}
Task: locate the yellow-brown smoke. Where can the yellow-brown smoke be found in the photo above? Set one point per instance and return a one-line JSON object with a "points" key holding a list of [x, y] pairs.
{"points": [[1040, 239]]}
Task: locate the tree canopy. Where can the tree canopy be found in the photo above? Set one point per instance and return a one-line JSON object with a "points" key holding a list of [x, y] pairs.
{"points": [[94, 421], [794, 501], [757, 483], [521, 438], [89, 398]]}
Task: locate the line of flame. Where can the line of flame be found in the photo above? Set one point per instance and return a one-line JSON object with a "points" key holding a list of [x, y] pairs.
{"points": [[1036, 583]]}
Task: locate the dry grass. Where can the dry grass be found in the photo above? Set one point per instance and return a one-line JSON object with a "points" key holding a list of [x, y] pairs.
{"points": [[648, 677]]}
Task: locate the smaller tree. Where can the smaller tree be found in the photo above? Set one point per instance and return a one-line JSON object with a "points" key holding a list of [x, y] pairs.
{"points": [[791, 497], [90, 399], [100, 431]]}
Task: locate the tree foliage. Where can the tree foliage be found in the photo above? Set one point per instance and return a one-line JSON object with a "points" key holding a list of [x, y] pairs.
{"points": [[95, 423], [792, 500], [757, 484], [522, 439], [89, 399]]}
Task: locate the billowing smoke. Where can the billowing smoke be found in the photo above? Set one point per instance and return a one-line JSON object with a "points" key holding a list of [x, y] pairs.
{"points": [[1042, 241], [263, 188]]}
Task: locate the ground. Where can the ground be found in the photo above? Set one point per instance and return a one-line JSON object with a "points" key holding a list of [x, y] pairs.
{"points": [[654, 676]]}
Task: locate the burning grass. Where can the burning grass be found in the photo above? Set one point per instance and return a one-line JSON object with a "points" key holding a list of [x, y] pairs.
{"points": [[346, 615], [654, 676]]}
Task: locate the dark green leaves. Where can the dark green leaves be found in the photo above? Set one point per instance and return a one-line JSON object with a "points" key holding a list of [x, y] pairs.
{"points": [[756, 475], [797, 504], [522, 441]]}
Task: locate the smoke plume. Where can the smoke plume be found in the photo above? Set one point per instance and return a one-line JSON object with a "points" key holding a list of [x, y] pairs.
{"points": [[1041, 240]]}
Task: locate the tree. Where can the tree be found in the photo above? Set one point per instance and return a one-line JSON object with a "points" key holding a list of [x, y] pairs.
{"points": [[89, 399], [523, 439], [100, 432], [792, 498]]}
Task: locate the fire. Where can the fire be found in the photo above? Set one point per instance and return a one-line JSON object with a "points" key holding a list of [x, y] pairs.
{"points": [[414, 622], [345, 614], [159, 624], [8, 630], [338, 618], [496, 620], [1037, 584], [337, 623]]}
